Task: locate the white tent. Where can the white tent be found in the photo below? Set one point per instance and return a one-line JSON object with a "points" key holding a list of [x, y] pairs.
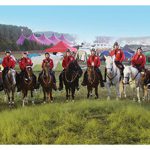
{"points": [[38, 59]]}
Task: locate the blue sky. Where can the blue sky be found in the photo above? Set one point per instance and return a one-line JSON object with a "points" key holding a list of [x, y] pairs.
{"points": [[84, 21]]}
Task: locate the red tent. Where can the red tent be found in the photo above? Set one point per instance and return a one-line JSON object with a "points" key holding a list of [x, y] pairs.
{"points": [[60, 47]]}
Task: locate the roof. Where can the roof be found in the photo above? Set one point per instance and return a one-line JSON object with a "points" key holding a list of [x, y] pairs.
{"points": [[60, 47], [32, 37], [62, 38], [54, 39], [44, 40], [21, 39]]}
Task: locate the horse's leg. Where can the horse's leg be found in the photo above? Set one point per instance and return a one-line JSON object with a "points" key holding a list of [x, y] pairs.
{"points": [[138, 94], [96, 92], [44, 94], [8, 95], [108, 89], [26, 96], [13, 97], [23, 100], [91, 91], [88, 90], [67, 93], [117, 91], [32, 97], [73, 92], [51, 96]]}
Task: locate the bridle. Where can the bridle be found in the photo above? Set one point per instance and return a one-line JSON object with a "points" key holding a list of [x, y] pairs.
{"points": [[111, 78], [26, 82], [92, 81]]}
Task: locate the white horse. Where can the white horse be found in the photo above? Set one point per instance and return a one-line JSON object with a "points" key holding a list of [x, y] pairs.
{"points": [[133, 76], [113, 76]]}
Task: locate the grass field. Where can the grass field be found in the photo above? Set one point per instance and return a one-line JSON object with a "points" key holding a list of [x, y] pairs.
{"points": [[82, 122]]}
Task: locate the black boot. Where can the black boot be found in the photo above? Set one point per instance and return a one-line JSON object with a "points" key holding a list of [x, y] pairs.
{"points": [[77, 85], [54, 81], [100, 77], [84, 82], [105, 75]]}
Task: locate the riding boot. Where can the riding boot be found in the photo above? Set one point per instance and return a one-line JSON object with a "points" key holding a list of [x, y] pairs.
{"points": [[18, 81], [60, 81], [77, 84], [105, 75], [54, 81], [84, 82]]}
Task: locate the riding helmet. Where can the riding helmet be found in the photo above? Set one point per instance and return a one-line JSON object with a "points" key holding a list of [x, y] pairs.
{"points": [[68, 50], [139, 48], [26, 53], [47, 53], [115, 44], [93, 49], [7, 51]]}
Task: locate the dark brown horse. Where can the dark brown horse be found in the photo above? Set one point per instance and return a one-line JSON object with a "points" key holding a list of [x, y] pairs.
{"points": [[27, 84], [9, 84], [46, 81], [70, 78], [93, 81]]}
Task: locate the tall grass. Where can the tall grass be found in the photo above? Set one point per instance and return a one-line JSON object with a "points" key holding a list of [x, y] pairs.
{"points": [[82, 122]]}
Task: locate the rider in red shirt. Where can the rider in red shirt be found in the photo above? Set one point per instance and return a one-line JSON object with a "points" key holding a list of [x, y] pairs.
{"points": [[8, 62], [23, 63], [68, 58], [119, 58], [139, 60], [94, 61], [51, 65]]}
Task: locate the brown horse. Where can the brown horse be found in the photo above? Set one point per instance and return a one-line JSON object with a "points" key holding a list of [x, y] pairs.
{"points": [[46, 81], [9, 84], [93, 81], [145, 84], [27, 84]]}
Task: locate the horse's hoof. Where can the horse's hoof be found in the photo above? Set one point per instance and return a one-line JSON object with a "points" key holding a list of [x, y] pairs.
{"points": [[139, 101], [73, 101], [66, 101], [52, 101]]}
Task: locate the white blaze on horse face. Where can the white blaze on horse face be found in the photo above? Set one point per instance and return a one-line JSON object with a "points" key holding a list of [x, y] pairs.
{"points": [[13, 73], [126, 74]]}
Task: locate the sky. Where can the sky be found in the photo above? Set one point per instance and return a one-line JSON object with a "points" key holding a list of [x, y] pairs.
{"points": [[84, 21]]}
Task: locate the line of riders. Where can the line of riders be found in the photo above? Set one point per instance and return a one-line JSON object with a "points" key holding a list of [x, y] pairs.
{"points": [[138, 61]]}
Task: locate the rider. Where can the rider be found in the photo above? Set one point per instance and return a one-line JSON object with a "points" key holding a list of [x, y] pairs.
{"points": [[51, 65], [68, 58], [8, 62], [119, 58], [94, 61], [23, 63], [139, 60]]}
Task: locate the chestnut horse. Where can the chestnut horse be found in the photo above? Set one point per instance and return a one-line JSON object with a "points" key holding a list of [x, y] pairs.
{"points": [[46, 81], [92, 82]]}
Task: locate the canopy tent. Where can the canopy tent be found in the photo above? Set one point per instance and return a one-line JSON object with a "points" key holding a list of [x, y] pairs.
{"points": [[106, 53], [54, 39], [128, 55], [60, 47], [62, 38], [21, 39], [128, 49], [32, 37], [44, 40], [147, 54]]}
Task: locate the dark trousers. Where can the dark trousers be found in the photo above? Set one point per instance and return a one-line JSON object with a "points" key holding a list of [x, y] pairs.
{"points": [[139, 68], [120, 66]]}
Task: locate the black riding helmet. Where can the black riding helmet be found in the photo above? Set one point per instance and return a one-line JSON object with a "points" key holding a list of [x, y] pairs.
{"points": [[47, 53], [7, 51], [115, 44]]}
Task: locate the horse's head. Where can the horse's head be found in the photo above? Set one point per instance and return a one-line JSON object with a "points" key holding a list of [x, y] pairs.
{"points": [[90, 72], [74, 66], [12, 76], [29, 72], [146, 77], [109, 64], [127, 74], [46, 67]]}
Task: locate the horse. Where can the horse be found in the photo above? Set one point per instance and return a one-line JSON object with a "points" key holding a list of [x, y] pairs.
{"points": [[145, 84], [132, 76], [70, 78], [92, 82], [113, 77], [27, 84], [9, 85], [46, 81]]}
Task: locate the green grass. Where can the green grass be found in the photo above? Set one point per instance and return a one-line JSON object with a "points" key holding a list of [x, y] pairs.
{"points": [[82, 122]]}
